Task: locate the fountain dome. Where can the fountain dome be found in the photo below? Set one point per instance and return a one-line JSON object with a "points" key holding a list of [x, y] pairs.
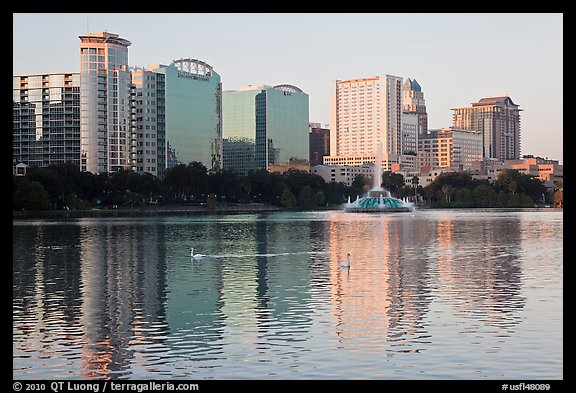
{"points": [[378, 200]]}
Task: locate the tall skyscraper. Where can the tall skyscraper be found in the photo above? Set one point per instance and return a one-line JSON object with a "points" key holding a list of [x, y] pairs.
{"points": [[105, 127], [497, 118], [193, 112], [46, 118], [413, 101], [265, 127], [364, 113], [319, 144]]}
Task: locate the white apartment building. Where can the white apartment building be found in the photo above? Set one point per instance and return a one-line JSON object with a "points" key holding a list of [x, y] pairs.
{"points": [[342, 174]]}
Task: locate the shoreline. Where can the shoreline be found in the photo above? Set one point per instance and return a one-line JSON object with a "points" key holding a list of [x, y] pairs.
{"points": [[146, 211], [203, 210]]}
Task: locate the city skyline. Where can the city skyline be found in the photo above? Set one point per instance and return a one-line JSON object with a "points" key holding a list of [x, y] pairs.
{"points": [[456, 58]]}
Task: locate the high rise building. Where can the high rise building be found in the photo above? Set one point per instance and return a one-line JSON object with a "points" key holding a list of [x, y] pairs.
{"points": [[192, 112], [46, 118], [410, 133], [450, 148], [105, 113], [497, 119], [149, 122], [365, 113], [413, 102], [265, 127], [319, 143]]}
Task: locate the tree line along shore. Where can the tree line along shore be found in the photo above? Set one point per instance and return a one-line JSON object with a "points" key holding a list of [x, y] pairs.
{"points": [[193, 188]]}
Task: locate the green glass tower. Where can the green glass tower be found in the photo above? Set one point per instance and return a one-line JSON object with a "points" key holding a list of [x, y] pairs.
{"points": [[192, 113], [265, 127]]}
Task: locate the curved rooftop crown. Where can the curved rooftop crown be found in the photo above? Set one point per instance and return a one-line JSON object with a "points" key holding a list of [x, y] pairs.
{"points": [[412, 84], [106, 37], [495, 100], [193, 66], [289, 88]]}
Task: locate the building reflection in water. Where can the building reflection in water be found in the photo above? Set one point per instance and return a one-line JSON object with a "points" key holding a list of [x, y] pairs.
{"points": [[480, 275], [122, 296], [400, 264], [123, 299], [381, 300], [46, 292]]}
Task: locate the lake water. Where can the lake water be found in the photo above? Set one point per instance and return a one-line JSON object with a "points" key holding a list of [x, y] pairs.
{"points": [[433, 294]]}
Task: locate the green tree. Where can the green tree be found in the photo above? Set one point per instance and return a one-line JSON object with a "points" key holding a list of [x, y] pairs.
{"points": [[429, 194], [307, 198], [480, 194], [51, 182], [336, 193], [415, 183], [288, 200], [447, 190], [526, 200], [320, 198], [73, 202], [186, 182], [463, 197], [360, 184], [392, 181], [30, 195], [514, 200], [501, 199], [513, 181]]}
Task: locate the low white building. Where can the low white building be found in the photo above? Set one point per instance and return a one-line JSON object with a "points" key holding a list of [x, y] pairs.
{"points": [[342, 174]]}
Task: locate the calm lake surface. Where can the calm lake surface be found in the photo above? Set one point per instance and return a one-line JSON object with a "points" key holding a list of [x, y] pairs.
{"points": [[433, 294]]}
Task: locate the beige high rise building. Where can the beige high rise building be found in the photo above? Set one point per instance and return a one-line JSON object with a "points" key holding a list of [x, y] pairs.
{"points": [[365, 113], [450, 147], [497, 119]]}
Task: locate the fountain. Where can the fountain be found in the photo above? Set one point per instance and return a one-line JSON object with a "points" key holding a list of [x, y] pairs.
{"points": [[378, 199]]}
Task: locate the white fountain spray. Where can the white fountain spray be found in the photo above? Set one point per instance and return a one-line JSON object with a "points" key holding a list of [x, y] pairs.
{"points": [[378, 199], [377, 182]]}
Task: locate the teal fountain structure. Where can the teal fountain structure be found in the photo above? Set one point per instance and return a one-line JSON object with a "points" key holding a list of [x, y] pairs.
{"points": [[378, 199]]}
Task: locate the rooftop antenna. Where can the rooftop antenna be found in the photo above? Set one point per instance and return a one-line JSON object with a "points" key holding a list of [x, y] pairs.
{"points": [[87, 25]]}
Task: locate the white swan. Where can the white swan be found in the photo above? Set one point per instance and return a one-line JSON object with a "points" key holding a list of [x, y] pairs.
{"points": [[195, 256], [346, 263]]}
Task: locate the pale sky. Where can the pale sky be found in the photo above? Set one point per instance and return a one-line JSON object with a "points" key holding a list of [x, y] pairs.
{"points": [[457, 58]]}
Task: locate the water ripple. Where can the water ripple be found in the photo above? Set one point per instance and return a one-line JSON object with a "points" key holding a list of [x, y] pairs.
{"points": [[436, 294]]}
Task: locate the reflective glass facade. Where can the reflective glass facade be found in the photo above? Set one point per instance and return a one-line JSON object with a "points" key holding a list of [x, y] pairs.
{"points": [[265, 126], [239, 129], [193, 114]]}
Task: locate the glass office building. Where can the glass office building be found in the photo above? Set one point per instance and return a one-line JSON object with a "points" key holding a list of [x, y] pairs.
{"points": [[46, 119], [192, 113], [105, 87], [265, 127]]}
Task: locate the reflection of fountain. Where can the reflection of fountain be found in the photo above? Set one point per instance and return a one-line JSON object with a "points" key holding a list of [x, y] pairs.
{"points": [[378, 199]]}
